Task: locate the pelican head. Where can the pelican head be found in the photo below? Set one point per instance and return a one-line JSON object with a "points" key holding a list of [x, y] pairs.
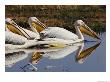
{"points": [[9, 22], [11, 26], [85, 29], [35, 24]]}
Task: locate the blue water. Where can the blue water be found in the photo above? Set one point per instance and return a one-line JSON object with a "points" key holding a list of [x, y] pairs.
{"points": [[95, 62]]}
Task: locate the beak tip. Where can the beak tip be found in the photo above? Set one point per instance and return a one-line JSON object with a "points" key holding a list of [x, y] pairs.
{"points": [[99, 38]]}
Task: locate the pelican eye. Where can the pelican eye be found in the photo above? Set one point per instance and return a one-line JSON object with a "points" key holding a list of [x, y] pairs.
{"points": [[36, 20], [78, 25], [7, 22], [46, 29], [14, 24]]}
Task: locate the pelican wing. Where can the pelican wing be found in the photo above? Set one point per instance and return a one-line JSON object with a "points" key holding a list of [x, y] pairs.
{"points": [[12, 38], [57, 32], [32, 34]]}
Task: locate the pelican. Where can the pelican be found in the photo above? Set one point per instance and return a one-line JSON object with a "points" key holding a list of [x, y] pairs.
{"points": [[13, 27], [61, 33]]}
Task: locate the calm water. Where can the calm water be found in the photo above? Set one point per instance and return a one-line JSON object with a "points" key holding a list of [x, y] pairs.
{"points": [[60, 60]]}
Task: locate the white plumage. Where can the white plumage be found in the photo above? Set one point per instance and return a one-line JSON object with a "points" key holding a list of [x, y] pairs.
{"points": [[12, 38], [57, 32], [32, 35], [15, 41]]}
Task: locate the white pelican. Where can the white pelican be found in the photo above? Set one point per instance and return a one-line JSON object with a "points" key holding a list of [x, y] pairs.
{"points": [[61, 33], [13, 27]]}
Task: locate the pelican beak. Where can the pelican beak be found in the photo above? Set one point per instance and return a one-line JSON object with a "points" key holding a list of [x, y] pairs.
{"points": [[13, 27], [37, 25], [86, 30]]}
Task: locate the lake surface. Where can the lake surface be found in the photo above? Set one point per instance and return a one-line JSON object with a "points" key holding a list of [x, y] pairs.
{"points": [[81, 57]]}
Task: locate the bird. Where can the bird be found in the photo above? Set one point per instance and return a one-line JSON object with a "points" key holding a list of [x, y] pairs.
{"points": [[11, 26], [61, 33]]}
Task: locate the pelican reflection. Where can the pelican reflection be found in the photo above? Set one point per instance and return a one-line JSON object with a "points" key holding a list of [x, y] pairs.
{"points": [[83, 54], [35, 55]]}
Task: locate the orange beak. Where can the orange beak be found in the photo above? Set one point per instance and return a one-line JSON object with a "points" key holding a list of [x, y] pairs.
{"points": [[86, 30]]}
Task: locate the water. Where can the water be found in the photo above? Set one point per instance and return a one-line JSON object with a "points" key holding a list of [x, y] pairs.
{"points": [[60, 60]]}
